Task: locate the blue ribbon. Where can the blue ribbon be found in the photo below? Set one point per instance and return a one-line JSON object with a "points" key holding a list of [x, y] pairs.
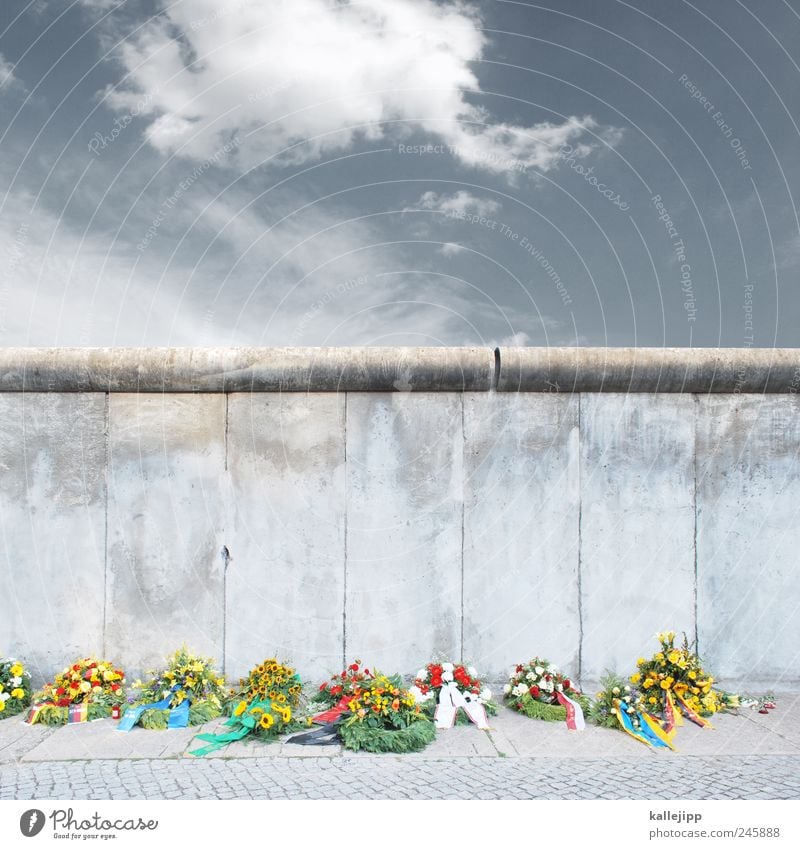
{"points": [[643, 731], [178, 716]]}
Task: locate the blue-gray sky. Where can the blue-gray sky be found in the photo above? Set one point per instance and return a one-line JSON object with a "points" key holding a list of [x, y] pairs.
{"points": [[308, 172]]}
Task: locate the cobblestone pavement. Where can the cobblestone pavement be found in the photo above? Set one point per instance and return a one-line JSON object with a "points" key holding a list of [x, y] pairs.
{"points": [[382, 777]]}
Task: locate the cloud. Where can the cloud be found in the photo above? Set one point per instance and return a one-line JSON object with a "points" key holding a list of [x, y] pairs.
{"points": [[458, 205], [7, 78], [300, 78], [451, 249]]}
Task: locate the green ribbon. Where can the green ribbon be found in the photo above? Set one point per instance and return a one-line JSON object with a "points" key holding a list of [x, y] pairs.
{"points": [[246, 723]]}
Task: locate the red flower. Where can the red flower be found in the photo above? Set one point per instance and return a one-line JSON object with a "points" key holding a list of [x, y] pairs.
{"points": [[336, 690], [60, 691], [323, 686], [519, 667], [74, 685], [115, 687], [366, 672], [353, 667], [63, 702], [76, 668], [567, 684], [534, 691]]}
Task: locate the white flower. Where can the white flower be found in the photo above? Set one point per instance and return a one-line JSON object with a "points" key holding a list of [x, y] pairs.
{"points": [[507, 689], [531, 676], [422, 674], [4, 697], [559, 688], [447, 676], [419, 696], [551, 667], [165, 693], [448, 667], [16, 681], [486, 694], [512, 673], [539, 670], [473, 672], [520, 690]]}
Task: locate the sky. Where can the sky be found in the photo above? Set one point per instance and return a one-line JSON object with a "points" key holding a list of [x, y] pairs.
{"points": [[399, 172]]}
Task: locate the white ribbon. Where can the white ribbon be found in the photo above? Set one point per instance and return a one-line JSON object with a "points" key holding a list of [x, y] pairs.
{"points": [[451, 699]]}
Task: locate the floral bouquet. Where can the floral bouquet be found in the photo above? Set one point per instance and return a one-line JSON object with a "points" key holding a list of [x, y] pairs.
{"points": [[189, 690], [385, 717], [533, 689], [429, 682], [265, 705], [87, 690], [677, 675], [15, 687], [618, 705], [353, 677], [613, 693]]}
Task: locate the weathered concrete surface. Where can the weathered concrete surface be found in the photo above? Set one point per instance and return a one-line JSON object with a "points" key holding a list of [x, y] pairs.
{"points": [[52, 518], [404, 518], [637, 525], [649, 369], [245, 369], [391, 369], [521, 530], [166, 475], [285, 589], [748, 514]]}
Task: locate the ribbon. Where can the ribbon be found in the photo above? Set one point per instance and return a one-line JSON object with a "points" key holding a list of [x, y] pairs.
{"points": [[658, 729], [35, 710], [450, 700], [575, 719], [78, 713], [643, 734], [671, 713], [178, 716], [332, 714], [690, 714]]}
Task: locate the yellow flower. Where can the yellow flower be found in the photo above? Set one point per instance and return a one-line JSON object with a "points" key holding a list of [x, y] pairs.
{"points": [[648, 683], [652, 700], [673, 656], [692, 674], [267, 721], [636, 678], [667, 683], [2, 706], [240, 709], [16, 670]]}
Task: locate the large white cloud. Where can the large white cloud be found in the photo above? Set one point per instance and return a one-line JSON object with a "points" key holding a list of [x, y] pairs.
{"points": [[302, 77]]}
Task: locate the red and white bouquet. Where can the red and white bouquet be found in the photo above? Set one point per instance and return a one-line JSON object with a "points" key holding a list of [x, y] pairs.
{"points": [[464, 679]]}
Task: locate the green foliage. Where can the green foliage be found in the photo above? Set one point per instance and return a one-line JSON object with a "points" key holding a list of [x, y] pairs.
{"points": [[15, 688], [363, 737]]}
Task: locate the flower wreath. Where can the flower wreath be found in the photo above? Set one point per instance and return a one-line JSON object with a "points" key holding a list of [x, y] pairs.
{"points": [[533, 689], [88, 689], [189, 690], [430, 681]]}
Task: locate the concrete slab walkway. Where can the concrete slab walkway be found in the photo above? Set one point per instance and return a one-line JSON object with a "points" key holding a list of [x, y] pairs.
{"points": [[746, 756]]}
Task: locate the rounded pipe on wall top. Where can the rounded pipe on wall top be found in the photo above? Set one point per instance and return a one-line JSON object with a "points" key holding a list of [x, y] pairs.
{"points": [[394, 369]]}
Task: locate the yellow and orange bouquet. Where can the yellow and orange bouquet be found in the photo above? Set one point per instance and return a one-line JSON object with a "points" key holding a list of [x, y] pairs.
{"points": [[679, 671], [385, 717]]}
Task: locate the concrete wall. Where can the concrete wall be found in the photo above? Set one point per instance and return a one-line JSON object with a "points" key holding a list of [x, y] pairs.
{"points": [[394, 525]]}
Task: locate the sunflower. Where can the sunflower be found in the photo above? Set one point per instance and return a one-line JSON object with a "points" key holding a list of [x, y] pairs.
{"points": [[267, 721]]}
